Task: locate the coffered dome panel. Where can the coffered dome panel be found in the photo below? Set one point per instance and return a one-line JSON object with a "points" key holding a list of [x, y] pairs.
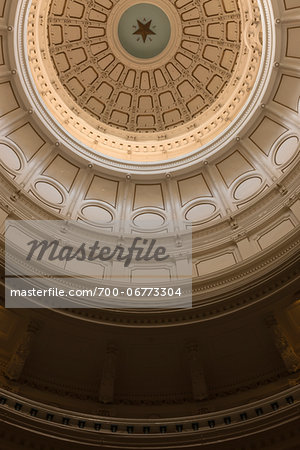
{"points": [[145, 82]]}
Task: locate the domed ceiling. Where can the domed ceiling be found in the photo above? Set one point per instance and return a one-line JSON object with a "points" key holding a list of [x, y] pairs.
{"points": [[238, 192], [225, 166], [128, 78]]}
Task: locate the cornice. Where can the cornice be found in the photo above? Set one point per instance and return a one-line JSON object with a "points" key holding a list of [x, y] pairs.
{"points": [[228, 425], [276, 286]]}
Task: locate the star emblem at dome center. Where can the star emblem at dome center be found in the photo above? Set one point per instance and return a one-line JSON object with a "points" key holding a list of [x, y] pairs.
{"points": [[144, 29]]}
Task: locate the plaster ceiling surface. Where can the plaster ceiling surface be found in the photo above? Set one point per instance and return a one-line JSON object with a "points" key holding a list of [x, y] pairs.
{"points": [[172, 93], [240, 197]]}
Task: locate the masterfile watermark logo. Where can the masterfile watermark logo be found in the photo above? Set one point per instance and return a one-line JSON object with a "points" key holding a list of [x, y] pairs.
{"points": [[140, 250], [59, 264]]}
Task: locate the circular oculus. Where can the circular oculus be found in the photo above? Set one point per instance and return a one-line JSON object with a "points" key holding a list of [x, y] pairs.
{"points": [[144, 30]]}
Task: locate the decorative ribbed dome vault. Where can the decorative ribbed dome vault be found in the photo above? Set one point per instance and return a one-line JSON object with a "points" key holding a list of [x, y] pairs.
{"points": [[202, 135], [139, 108]]}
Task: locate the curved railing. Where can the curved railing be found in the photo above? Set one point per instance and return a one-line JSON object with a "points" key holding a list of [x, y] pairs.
{"points": [[283, 403]]}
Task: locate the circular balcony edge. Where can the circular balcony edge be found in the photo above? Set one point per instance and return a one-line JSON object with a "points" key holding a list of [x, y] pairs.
{"points": [[231, 424]]}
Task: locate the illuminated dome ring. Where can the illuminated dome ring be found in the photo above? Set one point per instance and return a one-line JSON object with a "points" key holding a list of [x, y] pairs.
{"points": [[123, 151]]}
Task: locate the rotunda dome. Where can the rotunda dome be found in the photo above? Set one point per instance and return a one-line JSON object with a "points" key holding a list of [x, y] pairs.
{"points": [[147, 82], [161, 118]]}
